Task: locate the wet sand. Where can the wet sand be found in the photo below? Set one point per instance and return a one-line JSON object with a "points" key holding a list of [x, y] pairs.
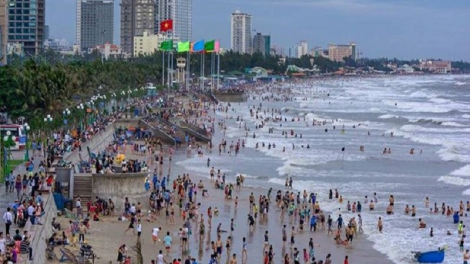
{"points": [[106, 236]]}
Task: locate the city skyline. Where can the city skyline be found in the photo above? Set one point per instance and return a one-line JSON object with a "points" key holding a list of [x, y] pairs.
{"points": [[381, 28]]}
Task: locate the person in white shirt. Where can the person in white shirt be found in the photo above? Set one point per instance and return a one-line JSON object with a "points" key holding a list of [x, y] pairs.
{"points": [[155, 231], [78, 205], [160, 258], [8, 217], [139, 228], [31, 215], [132, 209]]}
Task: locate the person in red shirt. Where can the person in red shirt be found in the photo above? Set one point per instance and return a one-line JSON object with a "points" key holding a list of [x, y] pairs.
{"points": [[346, 261]]}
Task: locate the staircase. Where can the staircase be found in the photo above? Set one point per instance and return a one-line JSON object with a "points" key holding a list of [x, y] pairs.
{"points": [[83, 187]]}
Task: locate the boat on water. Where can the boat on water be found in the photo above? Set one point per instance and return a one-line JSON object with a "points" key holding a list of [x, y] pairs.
{"points": [[430, 256]]}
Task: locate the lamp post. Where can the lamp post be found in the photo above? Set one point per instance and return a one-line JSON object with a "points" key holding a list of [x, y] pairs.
{"points": [[80, 108], [26, 130], [48, 119], [8, 141], [66, 113]]}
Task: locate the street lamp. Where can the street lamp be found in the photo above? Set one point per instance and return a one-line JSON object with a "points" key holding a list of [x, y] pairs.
{"points": [[66, 113], [80, 108], [8, 141], [26, 128], [48, 119]]}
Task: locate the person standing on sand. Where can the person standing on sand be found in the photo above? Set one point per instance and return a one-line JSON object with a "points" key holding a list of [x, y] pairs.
{"points": [[167, 242], [131, 224], [466, 257], [155, 231], [328, 259], [161, 258]]}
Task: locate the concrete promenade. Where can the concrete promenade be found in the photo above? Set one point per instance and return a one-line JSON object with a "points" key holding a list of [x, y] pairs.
{"points": [[40, 233]]}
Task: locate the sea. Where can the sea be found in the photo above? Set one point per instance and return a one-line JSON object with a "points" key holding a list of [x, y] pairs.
{"points": [[428, 113]]}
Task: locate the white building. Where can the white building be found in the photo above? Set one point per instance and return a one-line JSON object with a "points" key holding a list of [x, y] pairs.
{"points": [[240, 28], [181, 12], [109, 50], [302, 49], [149, 43]]}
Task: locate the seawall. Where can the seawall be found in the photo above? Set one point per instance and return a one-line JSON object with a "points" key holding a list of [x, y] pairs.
{"points": [[117, 186], [39, 233]]}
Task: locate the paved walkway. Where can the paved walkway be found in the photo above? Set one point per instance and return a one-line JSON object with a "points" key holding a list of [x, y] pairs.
{"points": [[98, 142]]}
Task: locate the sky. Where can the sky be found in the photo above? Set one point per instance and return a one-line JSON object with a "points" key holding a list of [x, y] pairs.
{"points": [[403, 29]]}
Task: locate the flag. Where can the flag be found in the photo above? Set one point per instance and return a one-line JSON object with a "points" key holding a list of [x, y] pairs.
{"points": [[184, 46], [166, 25], [209, 46], [217, 46], [198, 46], [191, 49], [166, 45]]}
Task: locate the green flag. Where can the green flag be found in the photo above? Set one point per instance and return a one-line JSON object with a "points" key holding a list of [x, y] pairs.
{"points": [[209, 46], [183, 46], [166, 45]]}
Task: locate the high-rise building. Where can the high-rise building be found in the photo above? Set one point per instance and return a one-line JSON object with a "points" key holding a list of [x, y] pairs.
{"points": [[259, 44], [267, 44], [241, 32], [147, 44], [181, 12], [339, 52], [3, 31], [96, 25], [137, 17], [302, 49], [26, 25], [46, 32]]}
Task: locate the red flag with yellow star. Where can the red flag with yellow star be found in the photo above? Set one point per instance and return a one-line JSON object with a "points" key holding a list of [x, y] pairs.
{"points": [[166, 25]]}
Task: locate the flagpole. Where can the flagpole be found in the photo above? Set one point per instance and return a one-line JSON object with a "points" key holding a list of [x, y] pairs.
{"points": [[163, 62], [218, 69], [188, 60], [203, 68], [200, 72]]}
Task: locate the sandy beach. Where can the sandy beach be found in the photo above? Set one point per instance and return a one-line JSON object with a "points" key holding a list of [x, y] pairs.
{"points": [[107, 235]]}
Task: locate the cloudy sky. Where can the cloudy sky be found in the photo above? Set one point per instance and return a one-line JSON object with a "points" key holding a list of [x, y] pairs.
{"points": [[381, 28]]}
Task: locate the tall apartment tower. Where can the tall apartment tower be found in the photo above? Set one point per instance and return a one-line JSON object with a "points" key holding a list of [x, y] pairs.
{"points": [[302, 49], [339, 52], [259, 45], [180, 11], [3, 31], [137, 17], [241, 32], [26, 20], [95, 23]]}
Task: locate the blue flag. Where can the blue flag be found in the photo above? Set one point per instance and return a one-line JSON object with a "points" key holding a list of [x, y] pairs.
{"points": [[198, 46]]}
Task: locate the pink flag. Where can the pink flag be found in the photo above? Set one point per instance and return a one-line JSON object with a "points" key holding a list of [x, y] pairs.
{"points": [[217, 46]]}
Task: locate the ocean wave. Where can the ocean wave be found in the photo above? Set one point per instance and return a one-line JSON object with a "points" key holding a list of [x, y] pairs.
{"points": [[453, 124], [252, 176], [454, 180], [460, 83], [452, 153], [416, 128], [464, 171], [388, 116]]}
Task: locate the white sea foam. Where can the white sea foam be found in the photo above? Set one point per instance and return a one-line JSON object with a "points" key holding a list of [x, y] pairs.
{"points": [[387, 116], [464, 171], [453, 124], [455, 180], [460, 83]]}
